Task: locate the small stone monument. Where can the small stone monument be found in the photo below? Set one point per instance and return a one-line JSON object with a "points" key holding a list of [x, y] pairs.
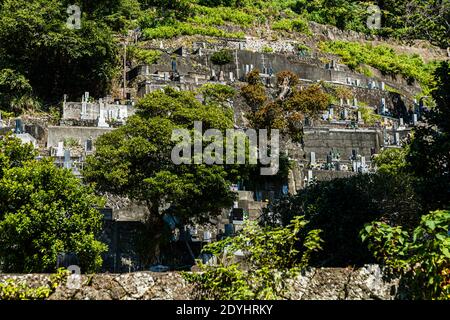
{"points": [[360, 119], [231, 76], [313, 158], [102, 120], [60, 150]]}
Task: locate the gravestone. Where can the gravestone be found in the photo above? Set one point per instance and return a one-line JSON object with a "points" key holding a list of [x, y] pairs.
{"points": [[237, 215], [221, 76], [207, 237], [229, 229], [345, 114], [360, 119], [401, 122], [67, 160], [102, 120], [310, 176], [174, 66], [83, 107], [313, 158], [19, 126], [355, 166], [415, 119], [88, 147], [383, 106], [397, 138], [60, 150], [231, 76]]}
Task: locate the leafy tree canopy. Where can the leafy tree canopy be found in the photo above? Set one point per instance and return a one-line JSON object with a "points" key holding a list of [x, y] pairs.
{"points": [[44, 53], [44, 211]]}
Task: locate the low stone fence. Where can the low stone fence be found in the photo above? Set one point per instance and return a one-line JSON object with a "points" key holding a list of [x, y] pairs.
{"points": [[365, 283]]}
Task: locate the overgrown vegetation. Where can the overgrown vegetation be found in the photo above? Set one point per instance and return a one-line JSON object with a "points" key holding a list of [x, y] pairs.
{"points": [[44, 211], [401, 211], [144, 56], [421, 256], [269, 260], [288, 108], [402, 19], [385, 59], [11, 290]]}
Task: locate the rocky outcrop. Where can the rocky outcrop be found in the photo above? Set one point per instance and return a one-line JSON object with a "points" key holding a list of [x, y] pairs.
{"points": [[367, 283]]}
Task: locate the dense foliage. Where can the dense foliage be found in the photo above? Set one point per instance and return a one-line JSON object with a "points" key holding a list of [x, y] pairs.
{"points": [[403, 19], [135, 160], [288, 108], [44, 211], [421, 256], [341, 207], [429, 153], [41, 57], [385, 59], [269, 260]]}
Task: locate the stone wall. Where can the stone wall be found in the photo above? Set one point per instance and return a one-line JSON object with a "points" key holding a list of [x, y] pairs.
{"points": [[321, 141], [80, 134], [368, 282]]}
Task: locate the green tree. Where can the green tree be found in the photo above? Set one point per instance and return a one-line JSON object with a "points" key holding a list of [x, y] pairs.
{"points": [[13, 153], [429, 153], [391, 161], [53, 59], [341, 207], [135, 160], [422, 256], [44, 211], [13, 89], [222, 57], [269, 260]]}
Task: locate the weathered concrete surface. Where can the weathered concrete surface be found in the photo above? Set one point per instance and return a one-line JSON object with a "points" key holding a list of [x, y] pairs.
{"points": [[315, 284]]}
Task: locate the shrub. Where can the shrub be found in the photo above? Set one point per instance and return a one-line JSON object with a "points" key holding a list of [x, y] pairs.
{"points": [[222, 57], [383, 58], [270, 259], [422, 256]]}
